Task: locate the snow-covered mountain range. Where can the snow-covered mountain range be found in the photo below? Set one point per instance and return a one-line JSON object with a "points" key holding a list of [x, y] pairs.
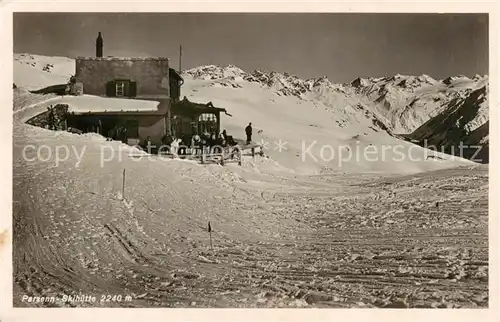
{"points": [[398, 104], [402, 103]]}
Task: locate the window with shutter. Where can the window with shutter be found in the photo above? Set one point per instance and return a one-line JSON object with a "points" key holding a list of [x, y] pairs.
{"points": [[111, 89], [122, 87]]}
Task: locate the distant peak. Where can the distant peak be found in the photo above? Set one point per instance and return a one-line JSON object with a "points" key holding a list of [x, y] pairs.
{"points": [[427, 78], [360, 82], [319, 81], [450, 79], [215, 72]]}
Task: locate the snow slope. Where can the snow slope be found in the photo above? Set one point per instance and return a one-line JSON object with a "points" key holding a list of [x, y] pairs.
{"points": [[279, 240], [34, 72]]}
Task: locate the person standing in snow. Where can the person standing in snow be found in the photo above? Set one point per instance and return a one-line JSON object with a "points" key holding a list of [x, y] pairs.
{"points": [[221, 139], [123, 134], [167, 139], [147, 144], [99, 127], [183, 144], [112, 133], [174, 146], [248, 131], [195, 143], [51, 118]]}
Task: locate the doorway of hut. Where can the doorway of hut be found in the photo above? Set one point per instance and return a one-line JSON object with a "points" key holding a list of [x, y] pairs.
{"points": [[119, 128], [85, 123], [109, 126]]}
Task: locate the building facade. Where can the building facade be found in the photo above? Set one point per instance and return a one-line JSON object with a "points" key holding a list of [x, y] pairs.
{"points": [[124, 77], [189, 118], [148, 78]]}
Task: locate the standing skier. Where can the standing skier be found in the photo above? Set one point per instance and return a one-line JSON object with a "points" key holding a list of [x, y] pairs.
{"points": [[248, 131], [51, 118]]}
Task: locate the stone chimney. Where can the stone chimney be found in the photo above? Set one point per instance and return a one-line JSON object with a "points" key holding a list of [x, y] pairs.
{"points": [[98, 45]]}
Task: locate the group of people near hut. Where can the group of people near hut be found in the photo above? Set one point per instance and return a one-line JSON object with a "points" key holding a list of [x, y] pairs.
{"points": [[118, 133], [205, 143], [56, 119]]}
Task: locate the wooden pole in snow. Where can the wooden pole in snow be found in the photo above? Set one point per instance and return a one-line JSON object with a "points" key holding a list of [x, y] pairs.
{"points": [[210, 234], [123, 185]]}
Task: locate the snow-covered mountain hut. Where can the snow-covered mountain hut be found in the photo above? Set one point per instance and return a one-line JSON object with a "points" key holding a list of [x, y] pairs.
{"points": [[141, 79]]}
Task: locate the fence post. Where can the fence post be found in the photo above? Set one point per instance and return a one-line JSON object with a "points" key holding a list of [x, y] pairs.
{"points": [[123, 185], [240, 156], [222, 157], [253, 152]]}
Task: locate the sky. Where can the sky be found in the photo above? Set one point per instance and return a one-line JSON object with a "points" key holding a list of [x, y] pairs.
{"points": [[341, 46]]}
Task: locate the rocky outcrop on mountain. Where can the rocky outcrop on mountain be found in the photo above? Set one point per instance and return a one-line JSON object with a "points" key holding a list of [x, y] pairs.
{"points": [[478, 141], [409, 101], [215, 72], [461, 128]]}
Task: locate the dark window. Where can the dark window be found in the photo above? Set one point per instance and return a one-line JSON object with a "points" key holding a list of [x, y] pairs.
{"points": [[207, 122], [111, 89]]}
